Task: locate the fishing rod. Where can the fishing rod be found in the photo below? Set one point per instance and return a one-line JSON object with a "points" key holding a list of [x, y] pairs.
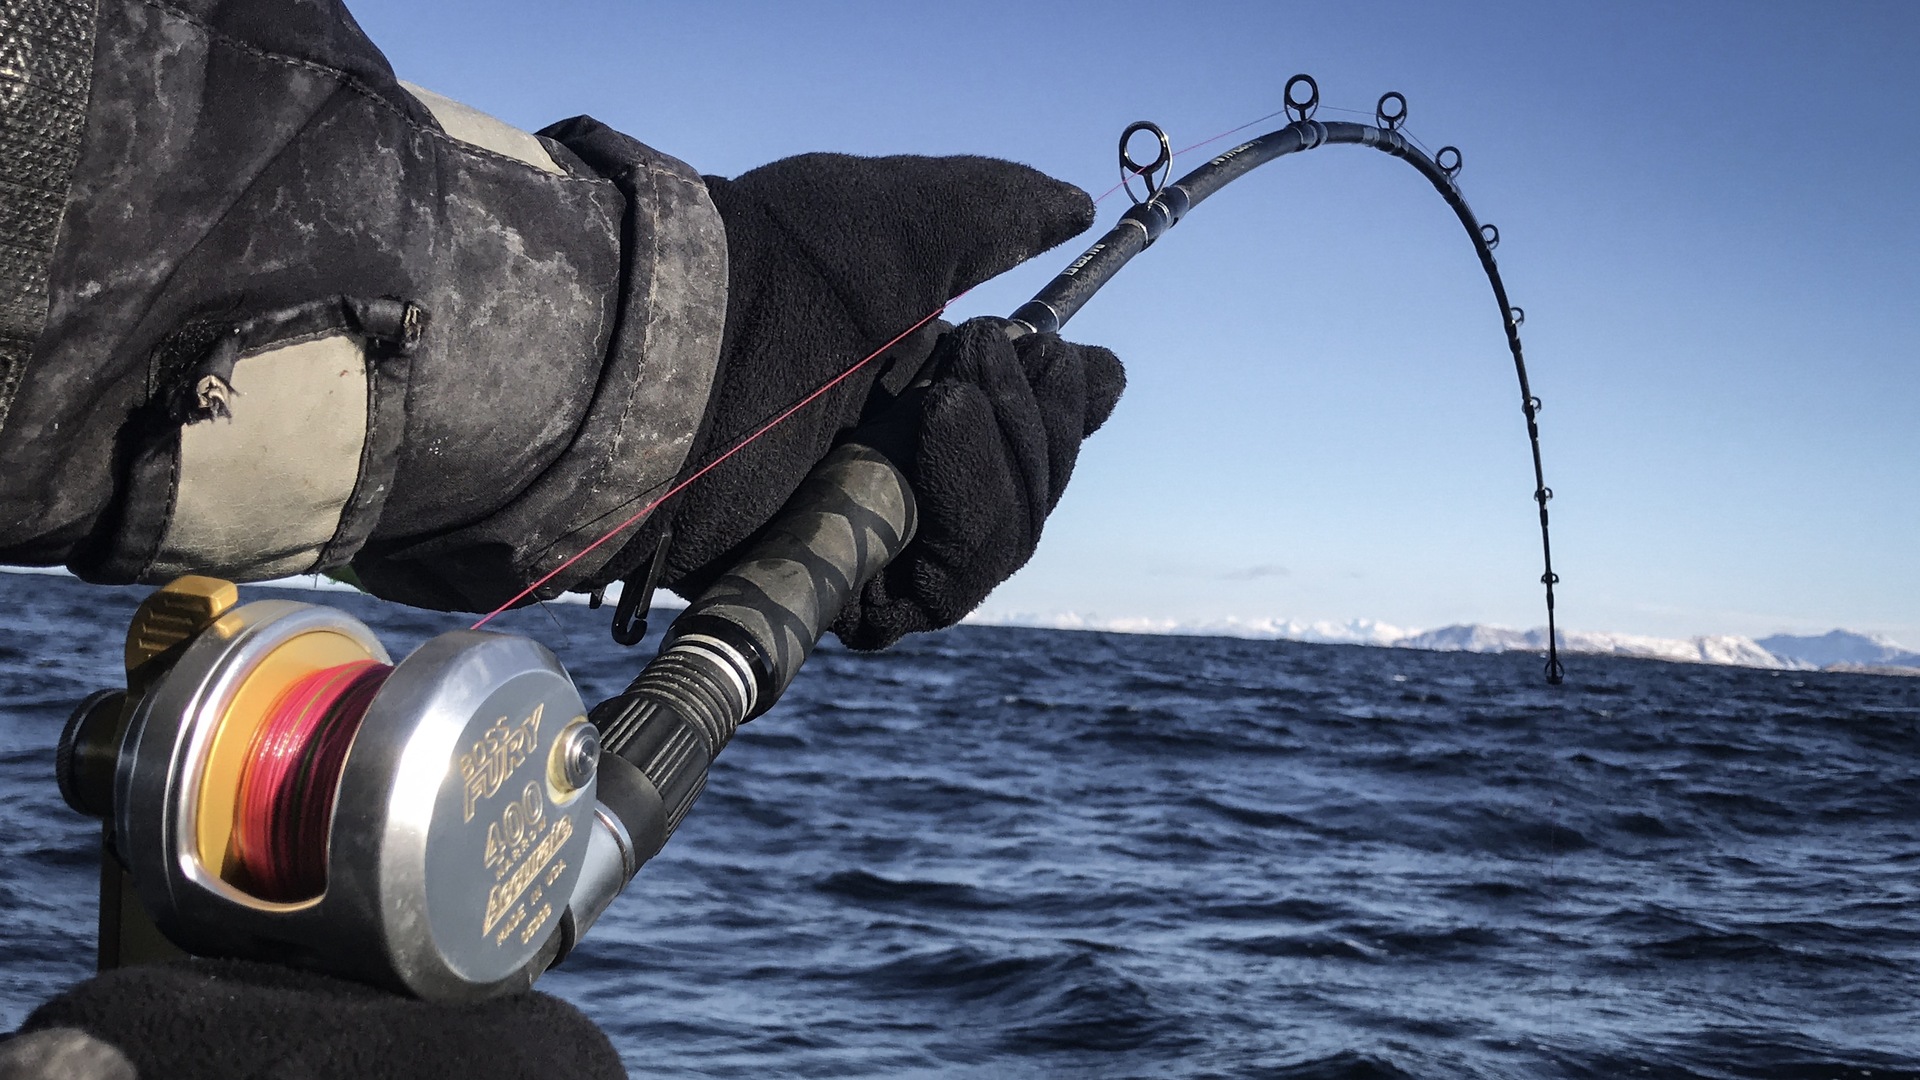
{"points": [[272, 786], [1166, 204]]}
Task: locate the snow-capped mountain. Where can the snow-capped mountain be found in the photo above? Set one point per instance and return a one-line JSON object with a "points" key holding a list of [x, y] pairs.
{"points": [[1352, 632], [1709, 649], [1840, 647], [1843, 649]]}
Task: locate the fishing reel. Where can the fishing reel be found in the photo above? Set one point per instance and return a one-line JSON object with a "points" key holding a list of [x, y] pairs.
{"points": [[274, 787]]}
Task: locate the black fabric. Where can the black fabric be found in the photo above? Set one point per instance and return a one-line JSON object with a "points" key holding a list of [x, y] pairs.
{"points": [[44, 86], [830, 257], [989, 447], [235, 1020], [633, 403], [245, 156]]}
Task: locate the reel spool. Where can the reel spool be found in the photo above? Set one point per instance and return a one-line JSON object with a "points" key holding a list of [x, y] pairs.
{"points": [[276, 788]]}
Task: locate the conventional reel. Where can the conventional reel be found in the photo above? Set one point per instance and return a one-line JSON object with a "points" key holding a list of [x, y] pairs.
{"points": [[274, 787]]}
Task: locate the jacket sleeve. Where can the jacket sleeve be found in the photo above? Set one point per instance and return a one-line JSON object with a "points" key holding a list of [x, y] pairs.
{"points": [[301, 314]]}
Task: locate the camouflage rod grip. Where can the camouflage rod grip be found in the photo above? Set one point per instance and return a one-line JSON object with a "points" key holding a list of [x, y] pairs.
{"points": [[731, 654], [850, 517]]}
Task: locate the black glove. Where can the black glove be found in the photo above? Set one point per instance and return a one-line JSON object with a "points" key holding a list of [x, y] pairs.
{"points": [[989, 447], [830, 257], [244, 1021]]}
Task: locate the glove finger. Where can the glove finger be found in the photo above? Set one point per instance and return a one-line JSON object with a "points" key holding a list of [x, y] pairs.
{"points": [[968, 477], [1057, 373], [1063, 372], [1011, 214], [1076, 387], [978, 519], [995, 437], [983, 358], [974, 484], [911, 232], [1106, 380], [883, 613]]}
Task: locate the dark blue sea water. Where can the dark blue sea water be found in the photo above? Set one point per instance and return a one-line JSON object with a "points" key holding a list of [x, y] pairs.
{"points": [[1023, 853]]}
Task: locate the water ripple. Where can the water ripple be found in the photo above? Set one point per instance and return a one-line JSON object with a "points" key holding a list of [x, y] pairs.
{"points": [[999, 852]]}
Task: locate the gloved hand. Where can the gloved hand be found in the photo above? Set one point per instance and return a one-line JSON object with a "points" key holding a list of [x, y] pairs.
{"points": [[830, 257], [236, 1020], [988, 447]]}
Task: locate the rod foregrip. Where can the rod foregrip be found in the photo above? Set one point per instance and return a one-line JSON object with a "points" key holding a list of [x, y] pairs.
{"points": [[731, 654], [850, 517]]}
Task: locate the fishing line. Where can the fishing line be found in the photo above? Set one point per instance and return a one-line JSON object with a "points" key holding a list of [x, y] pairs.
{"points": [[711, 465], [1167, 203], [1164, 206], [292, 776], [1209, 140], [1177, 154], [796, 407]]}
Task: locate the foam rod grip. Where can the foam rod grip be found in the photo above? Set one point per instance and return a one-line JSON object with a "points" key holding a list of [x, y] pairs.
{"points": [[850, 517]]}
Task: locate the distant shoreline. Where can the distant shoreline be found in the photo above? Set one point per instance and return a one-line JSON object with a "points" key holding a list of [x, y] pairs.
{"points": [[1722, 650]]}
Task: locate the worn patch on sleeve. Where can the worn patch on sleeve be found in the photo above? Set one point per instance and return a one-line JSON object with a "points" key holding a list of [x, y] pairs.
{"points": [[261, 493], [471, 126]]}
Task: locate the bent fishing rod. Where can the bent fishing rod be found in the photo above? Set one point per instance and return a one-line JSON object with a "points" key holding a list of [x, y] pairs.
{"points": [[1166, 204], [273, 786]]}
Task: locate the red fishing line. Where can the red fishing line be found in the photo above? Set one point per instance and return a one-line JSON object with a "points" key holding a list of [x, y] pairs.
{"points": [[776, 421], [709, 466], [292, 774]]}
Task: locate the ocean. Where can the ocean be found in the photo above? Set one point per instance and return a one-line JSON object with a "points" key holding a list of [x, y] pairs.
{"points": [[1000, 852]]}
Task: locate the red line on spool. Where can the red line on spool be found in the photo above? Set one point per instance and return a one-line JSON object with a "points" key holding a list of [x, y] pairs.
{"points": [[292, 775]]}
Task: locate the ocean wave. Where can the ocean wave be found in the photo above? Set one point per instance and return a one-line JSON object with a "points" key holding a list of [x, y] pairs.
{"points": [[1028, 853]]}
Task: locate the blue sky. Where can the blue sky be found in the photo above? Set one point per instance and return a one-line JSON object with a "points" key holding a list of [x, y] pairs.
{"points": [[1707, 211]]}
